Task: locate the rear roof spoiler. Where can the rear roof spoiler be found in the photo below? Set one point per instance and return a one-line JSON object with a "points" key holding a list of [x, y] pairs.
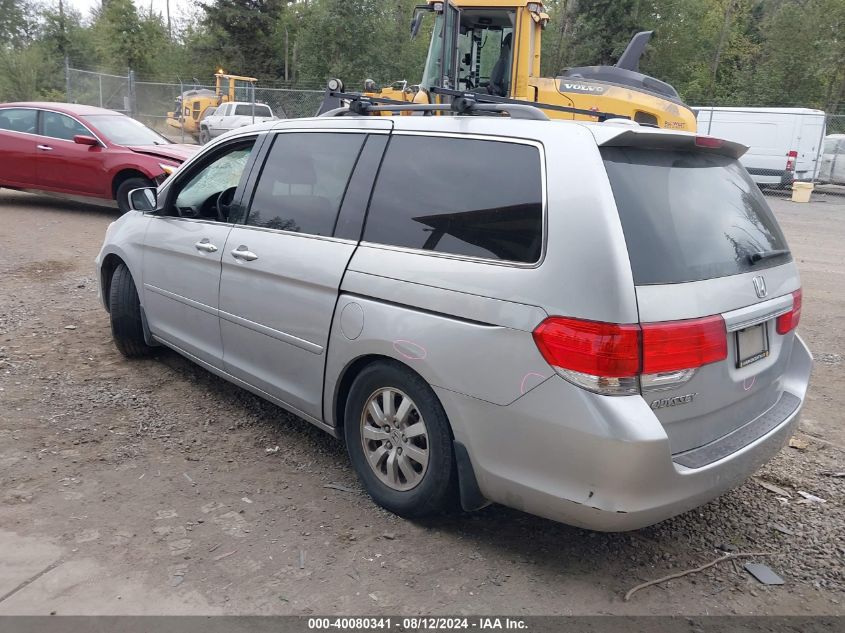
{"points": [[651, 138]]}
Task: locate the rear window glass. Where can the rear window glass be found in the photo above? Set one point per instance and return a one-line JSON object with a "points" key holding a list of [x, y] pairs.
{"points": [[18, 120], [689, 216], [459, 196], [246, 110]]}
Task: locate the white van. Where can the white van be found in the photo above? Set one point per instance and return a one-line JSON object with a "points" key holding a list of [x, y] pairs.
{"points": [[783, 143]]}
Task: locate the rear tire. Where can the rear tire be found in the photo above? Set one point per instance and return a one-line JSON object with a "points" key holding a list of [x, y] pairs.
{"points": [[405, 486], [125, 187], [127, 329]]}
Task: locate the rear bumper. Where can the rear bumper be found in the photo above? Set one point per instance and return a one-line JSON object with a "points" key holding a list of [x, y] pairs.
{"points": [[602, 463]]}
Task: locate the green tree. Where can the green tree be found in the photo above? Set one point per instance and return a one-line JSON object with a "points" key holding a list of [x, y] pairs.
{"points": [[17, 23], [124, 39], [242, 36]]}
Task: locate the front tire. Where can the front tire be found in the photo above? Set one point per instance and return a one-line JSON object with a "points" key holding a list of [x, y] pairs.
{"points": [[205, 137], [125, 313], [125, 187], [399, 441]]}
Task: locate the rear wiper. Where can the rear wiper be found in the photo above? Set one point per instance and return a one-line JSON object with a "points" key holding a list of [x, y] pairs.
{"points": [[761, 255]]}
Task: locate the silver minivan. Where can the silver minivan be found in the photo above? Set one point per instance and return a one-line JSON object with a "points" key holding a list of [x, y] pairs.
{"points": [[590, 322]]}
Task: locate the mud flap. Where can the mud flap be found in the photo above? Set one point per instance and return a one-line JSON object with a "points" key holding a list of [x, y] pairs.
{"points": [[471, 497]]}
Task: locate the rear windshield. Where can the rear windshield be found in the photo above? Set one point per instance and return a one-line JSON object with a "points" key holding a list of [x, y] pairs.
{"points": [[246, 110], [689, 216]]}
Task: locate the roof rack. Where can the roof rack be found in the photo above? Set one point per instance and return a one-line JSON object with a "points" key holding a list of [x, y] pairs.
{"points": [[463, 103], [483, 98]]}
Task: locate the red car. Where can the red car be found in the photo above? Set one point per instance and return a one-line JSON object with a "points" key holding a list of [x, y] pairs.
{"points": [[82, 151]]}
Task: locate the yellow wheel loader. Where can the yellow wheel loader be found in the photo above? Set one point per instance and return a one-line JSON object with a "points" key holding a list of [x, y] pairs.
{"points": [[191, 105], [491, 48]]}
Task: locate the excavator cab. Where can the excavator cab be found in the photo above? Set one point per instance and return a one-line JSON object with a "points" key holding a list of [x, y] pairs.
{"points": [[492, 47], [471, 49]]}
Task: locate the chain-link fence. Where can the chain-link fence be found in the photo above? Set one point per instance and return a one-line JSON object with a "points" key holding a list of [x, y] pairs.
{"points": [[99, 89], [290, 103], [836, 123], [151, 101]]}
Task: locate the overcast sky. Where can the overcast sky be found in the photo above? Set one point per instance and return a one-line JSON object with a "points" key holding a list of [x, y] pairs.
{"points": [[178, 8]]}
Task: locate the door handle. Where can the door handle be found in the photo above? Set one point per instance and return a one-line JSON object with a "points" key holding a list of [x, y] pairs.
{"points": [[206, 246], [45, 148], [242, 253]]}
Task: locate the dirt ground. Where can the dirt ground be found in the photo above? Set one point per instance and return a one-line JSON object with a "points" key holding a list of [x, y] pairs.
{"points": [[154, 487]]}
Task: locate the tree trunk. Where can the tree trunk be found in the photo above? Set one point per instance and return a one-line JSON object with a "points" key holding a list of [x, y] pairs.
{"points": [[833, 104], [287, 42], [567, 18], [63, 36], [723, 37]]}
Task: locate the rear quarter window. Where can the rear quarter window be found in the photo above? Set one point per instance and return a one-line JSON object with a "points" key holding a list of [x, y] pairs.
{"points": [[689, 216], [468, 197], [247, 110], [18, 120]]}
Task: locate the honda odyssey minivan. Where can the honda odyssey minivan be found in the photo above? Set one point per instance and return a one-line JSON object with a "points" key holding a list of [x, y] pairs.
{"points": [[590, 322]]}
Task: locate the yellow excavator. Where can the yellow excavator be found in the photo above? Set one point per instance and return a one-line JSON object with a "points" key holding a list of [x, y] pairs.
{"points": [[491, 50], [191, 105]]}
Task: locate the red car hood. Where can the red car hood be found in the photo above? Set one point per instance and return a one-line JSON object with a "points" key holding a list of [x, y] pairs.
{"points": [[174, 152]]}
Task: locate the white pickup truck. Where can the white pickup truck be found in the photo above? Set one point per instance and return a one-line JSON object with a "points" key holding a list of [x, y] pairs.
{"points": [[232, 115]]}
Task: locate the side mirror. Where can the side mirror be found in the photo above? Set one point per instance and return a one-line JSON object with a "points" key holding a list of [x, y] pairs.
{"points": [[84, 139], [143, 200]]}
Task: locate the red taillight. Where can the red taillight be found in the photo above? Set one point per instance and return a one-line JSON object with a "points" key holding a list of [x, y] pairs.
{"points": [[590, 347], [688, 344], [708, 141], [790, 160], [789, 321], [611, 358]]}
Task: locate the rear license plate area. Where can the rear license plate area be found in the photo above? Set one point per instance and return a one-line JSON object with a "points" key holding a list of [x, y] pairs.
{"points": [[752, 344]]}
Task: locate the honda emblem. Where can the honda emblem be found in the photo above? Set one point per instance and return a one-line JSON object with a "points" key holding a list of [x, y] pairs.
{"points": [[760, 286]]}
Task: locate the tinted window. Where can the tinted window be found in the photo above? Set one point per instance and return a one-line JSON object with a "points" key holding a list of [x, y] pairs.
{"points": [[18, 120], [459, 196], [303, 180], [246, 110], [60, 126], [689, 215]]}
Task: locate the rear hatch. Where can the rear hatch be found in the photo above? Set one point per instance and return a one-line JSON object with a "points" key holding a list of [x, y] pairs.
{"points": [[717, 290]]}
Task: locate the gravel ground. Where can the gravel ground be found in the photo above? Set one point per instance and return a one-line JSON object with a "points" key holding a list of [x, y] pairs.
{"points": [[162, 481]]}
